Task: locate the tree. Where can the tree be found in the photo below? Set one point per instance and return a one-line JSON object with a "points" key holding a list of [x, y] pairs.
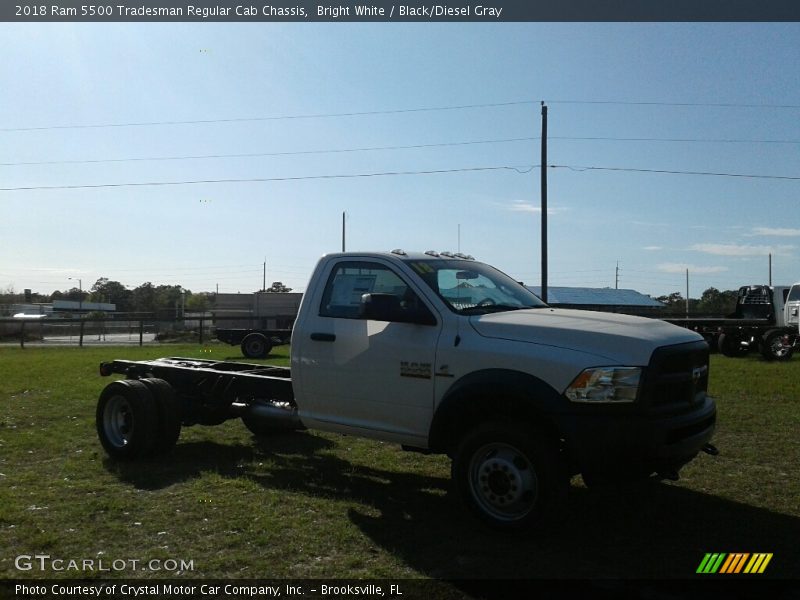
{"points": [[277, 287], [143, 298], [716, 303], [112, 292], [199, 302]]}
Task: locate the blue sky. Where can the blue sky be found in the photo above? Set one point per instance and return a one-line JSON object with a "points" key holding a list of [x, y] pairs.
{"points": [[59, 76]]}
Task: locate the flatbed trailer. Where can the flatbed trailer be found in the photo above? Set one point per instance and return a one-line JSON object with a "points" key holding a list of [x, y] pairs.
{"points": [[759, 323], [143, 414]]}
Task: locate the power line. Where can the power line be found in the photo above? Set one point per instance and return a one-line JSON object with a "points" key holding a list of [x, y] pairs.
{"points": [[518, 169], [400, 111], [670, 172], [385, 148], [261, 154], [274, 118], [685, 104]]}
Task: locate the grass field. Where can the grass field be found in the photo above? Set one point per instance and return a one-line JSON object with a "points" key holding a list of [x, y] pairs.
{"points": [[324, 506]]}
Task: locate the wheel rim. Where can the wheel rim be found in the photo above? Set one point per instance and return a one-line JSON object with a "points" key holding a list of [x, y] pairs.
{"points": [[779, 350], [255, 347], [118, 421], [503, 481]]}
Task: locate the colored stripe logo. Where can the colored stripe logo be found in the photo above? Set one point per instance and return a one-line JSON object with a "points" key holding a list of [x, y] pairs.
{"points": [[734, 563]]}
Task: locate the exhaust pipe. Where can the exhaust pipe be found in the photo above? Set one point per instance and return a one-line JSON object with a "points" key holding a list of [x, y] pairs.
{"points": [[280, 413]]}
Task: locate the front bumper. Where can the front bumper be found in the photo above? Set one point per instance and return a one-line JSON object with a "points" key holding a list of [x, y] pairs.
{"points": [[634, 445]]}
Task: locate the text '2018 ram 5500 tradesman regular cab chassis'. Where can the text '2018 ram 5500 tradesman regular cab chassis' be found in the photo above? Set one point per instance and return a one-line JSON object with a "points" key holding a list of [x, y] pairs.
{"points": [[443, 354]]}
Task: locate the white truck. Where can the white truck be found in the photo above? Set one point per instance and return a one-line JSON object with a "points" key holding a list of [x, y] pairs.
{"points": [[443, 354], [765, 319]]}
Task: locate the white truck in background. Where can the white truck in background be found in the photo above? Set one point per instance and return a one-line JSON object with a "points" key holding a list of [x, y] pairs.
{"points": [[765, 319], [443, 354]]}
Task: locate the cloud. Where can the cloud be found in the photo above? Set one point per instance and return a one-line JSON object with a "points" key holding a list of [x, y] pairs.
{"points": [[741, 249], [693, 269], [529, 207], [774, 231], [653, 248]]}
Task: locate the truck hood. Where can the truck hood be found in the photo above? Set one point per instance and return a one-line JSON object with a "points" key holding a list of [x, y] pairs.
{"points": [[619, 339]]}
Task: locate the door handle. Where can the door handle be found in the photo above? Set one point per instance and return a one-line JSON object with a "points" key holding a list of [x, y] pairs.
{"points": [[323, 337]]}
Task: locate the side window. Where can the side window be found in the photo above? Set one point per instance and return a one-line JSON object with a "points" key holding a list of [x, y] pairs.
{"points": [[350, 280]]}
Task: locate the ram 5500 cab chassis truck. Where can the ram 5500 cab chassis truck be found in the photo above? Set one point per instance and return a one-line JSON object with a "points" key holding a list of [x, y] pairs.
{"points": [[443, 354]]}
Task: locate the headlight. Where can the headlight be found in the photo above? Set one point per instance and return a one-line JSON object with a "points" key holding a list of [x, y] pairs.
{"points": [[605, 384]]}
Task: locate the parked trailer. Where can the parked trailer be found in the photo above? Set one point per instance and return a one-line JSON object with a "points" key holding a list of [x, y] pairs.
{"points": [[255, 343], [765, 320]]}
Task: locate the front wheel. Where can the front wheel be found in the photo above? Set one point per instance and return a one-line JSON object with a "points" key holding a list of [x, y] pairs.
{"points": [[509, 476]]}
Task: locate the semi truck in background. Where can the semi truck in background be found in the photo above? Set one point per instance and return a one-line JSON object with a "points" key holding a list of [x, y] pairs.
{"points": [[765, 320]]}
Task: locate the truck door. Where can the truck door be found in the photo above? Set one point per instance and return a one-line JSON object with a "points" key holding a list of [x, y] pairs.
{"points": [[368, 374]]}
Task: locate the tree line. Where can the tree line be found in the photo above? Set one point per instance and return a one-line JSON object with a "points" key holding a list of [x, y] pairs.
{"points": [[712, 303], [163, 301]]}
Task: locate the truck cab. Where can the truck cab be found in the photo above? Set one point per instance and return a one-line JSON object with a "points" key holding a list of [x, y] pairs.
{"points": [[791, 309]]}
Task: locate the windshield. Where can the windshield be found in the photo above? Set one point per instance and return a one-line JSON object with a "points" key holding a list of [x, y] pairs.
{"points": [[474, 288]]}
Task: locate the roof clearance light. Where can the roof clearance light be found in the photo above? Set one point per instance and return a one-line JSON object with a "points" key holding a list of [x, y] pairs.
{"points": [[447, 254], [399, 252], [431, 253]]}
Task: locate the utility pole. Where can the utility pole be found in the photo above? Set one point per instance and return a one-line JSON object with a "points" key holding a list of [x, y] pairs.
{"points": [[343, 230], [459, 238], [770, 269], [544, 201], [616, 279], [687, 293], [264, 280]]}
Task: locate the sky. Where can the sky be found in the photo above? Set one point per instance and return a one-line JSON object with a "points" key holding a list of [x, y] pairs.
{"points": [[287, 126]]}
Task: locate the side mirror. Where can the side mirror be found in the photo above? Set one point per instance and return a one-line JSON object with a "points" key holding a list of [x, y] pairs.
{"points": [[386, 307]]}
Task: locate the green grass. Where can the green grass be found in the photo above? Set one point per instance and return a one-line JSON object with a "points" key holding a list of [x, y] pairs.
{"points": [[322, 505]]}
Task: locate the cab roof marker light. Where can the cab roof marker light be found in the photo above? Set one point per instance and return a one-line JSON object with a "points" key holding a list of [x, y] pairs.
{"points": [[447, 254], [399, 252], [433, 253]]}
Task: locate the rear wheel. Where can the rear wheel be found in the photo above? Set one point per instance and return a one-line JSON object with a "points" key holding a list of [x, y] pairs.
{"points": [[255, 345], [127, 419], [776, 346], [509, 476]]}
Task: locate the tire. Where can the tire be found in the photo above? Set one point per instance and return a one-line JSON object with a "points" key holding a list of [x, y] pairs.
{"points": [[509, 476], [255, 345], [773, 348], [169, 412], [127, 419], [731, 345]]}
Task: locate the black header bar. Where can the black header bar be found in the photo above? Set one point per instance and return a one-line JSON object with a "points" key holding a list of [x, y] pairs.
{"points": [[419, 11]]}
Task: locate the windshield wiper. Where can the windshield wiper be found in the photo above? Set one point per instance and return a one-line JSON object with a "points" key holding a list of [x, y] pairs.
{"points": [[478, 309]]}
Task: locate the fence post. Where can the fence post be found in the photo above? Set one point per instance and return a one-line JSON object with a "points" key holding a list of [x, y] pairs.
{"points": [[201, 330], [80, 334], [22, 336], [141, 333]]}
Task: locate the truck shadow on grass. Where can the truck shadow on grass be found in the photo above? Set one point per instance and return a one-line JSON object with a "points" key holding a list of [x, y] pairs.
{"points": [[642, 532]]}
